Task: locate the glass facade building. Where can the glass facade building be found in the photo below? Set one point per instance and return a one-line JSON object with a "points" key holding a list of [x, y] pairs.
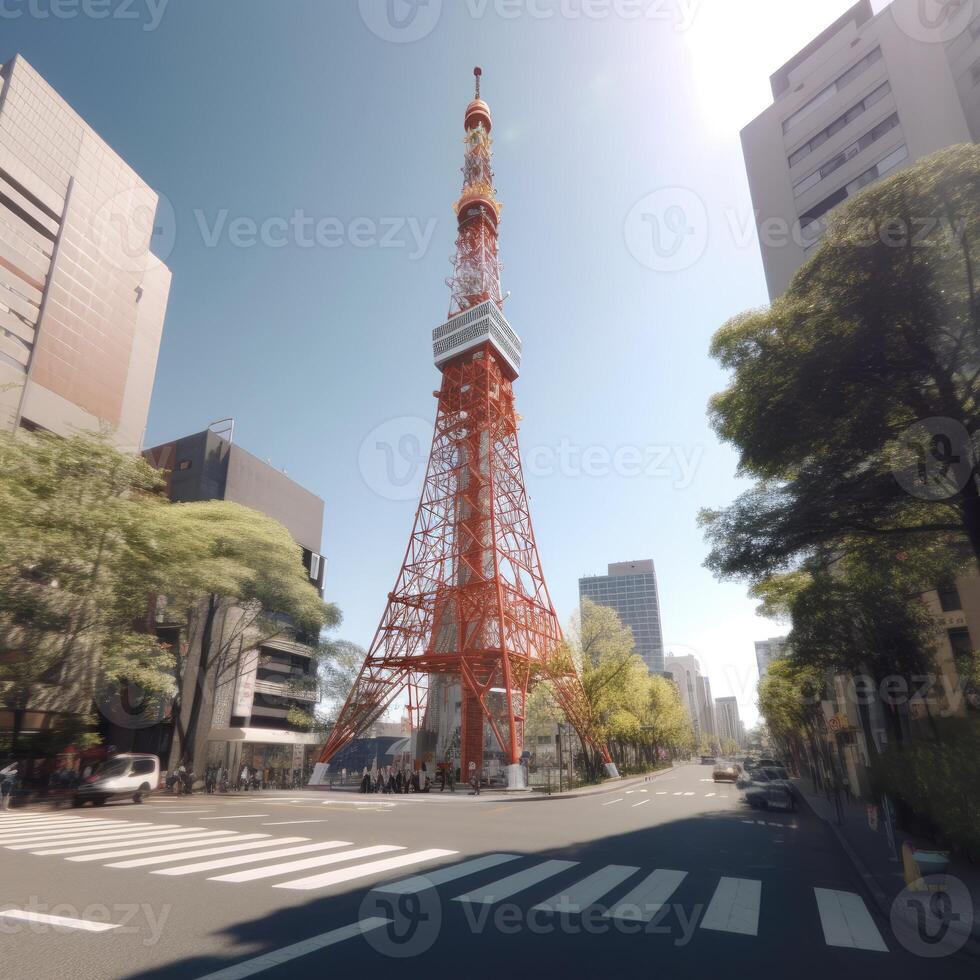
{"points": [[631, 589], [82, 298]]}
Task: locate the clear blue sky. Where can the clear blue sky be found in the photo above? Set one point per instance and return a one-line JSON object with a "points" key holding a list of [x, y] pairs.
{"points": [[260, 109]]}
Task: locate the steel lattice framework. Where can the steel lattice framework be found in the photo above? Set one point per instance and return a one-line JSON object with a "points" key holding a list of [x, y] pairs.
{"points": [[471, 600]]}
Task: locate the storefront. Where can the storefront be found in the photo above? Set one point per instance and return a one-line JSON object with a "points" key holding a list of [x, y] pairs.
{"points": [[281, 759]]}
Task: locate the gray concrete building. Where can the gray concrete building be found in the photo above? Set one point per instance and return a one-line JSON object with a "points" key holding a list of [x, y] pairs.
{"points": [[686, 674], [870, 95], [706, 708], [631, 589], [82, 298], [766, 651], [727, 716], [253, 692]]}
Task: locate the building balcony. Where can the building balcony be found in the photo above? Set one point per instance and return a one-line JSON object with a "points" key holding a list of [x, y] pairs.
{"points": [[285, 645], [279, 690]]}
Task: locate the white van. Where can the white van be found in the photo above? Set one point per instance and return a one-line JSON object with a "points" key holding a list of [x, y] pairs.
{"points": [[123, 776]]}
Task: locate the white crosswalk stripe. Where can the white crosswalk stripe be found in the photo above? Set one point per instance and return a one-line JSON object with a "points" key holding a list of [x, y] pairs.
{"points": [[646, 900], [512, 884], [231, 862], [76, 835], [734, 907], [177, 838], [420, 883], [129, 850], [277, 870], [585, 893], [364, 870], [244, 842], [846, 921]]}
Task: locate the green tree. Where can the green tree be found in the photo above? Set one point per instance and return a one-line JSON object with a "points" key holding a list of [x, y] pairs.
{"points": [[877, 332], [339, 663], [84, 543]]}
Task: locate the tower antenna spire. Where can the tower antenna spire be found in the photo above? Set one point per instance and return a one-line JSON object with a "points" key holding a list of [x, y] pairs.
{"points": [[477, 72]]}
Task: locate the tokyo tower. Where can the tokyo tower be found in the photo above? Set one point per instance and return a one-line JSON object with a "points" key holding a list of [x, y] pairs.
{"points": [[469, 625]]}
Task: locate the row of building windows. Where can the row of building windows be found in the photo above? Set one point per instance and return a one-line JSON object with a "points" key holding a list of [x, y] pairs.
{"points": [[844, 119], [880, 169], [825, 95], [849, 152]]}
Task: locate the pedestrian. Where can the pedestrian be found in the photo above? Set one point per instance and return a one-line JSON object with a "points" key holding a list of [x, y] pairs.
{"points": [[8, 782], [474, 779], [399, 782], [243, 779], [343, 776]]}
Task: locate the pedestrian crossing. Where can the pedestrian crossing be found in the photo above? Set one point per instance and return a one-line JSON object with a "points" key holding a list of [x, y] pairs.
{"points": [[621, 893]]}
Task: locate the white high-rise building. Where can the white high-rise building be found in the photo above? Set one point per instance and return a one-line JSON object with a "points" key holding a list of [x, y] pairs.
{"points": [[766, 651], [729, 723], [870, 95]]}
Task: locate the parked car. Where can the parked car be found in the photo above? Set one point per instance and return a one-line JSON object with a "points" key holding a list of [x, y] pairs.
{"points": [[767, 791], [121, 777], [726, 772]]}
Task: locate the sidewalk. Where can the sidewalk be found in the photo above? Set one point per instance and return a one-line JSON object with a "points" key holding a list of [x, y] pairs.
{"points": [[870, 853], [522, 796]]}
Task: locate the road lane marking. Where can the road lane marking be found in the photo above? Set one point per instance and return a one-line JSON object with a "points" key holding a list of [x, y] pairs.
{"points": [[239, 816], [511, 885], [267, 961], [286, 823], [846, 921], [255, 874], [689, 794], [237, 859], [708, 795], [57, 920], [680, 792], [647, 899], [420, 883], [585, 893], [227, 847], [635, 805], [363, 870], [209, 809], [610, 803], [734, 907], [17, 842], [163, 838], [662, 792], [128, 850]]}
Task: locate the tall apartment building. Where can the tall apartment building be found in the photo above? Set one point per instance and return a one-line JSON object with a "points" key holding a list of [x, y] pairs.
{"points": [[253, 696], [630, 587], [766, 651], [870, 95], [729, 722], [686, 674], [82, 299], [706, 708]]}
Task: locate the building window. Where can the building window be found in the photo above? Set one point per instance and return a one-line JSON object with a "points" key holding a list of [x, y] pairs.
{"points": [[848, 153], [884, 166], [315, 567], [839, 123], [825, 95], [959, 640], [184, 464], [949, 597]]}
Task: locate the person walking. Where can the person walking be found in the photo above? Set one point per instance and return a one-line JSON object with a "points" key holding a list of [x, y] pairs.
{"points": [[474, 779], [243, 779], [8, 782]]}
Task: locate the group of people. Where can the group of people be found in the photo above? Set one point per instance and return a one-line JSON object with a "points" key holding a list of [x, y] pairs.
{"points": [[179, 781], [393, 780], [9, 778]]}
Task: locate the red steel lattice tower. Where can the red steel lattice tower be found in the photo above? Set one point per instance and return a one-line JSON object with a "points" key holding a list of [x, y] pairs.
{"points": [[470, 602]]}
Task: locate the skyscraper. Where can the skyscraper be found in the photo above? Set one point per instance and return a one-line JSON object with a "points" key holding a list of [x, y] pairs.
{"points": [[729, 723], [82, 299], [631, 589], [766, 651], [868, 96], [706, 707], [686, 674]]}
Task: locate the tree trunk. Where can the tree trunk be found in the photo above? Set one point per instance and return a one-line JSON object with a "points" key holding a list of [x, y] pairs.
{"points": [[187, 744]]}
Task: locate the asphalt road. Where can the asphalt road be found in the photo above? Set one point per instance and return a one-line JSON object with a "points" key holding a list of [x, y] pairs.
{"points": [[676, 875]]}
